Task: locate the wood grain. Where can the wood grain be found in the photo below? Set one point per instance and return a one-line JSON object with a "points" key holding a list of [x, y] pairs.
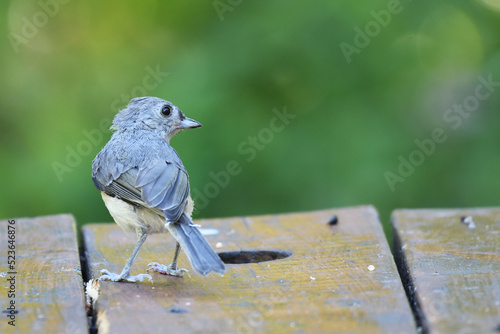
{"points": [[453, 271], [49, 292], [325, 286]]}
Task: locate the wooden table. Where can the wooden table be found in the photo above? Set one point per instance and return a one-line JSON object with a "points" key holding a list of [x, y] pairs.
{"points": [[299, 273]]}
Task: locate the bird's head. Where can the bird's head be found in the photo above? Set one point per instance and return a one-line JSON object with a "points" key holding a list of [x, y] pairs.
{"points": [[153, 114]]}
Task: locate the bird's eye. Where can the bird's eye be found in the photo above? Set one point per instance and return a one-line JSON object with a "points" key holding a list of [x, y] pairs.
{"points": [[166, 110]]}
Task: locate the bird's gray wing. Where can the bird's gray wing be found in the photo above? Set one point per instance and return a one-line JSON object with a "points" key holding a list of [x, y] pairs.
{"points": [[164, 186], [123, 188]]}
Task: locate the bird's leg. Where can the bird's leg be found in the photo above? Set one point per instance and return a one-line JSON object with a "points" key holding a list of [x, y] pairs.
{"points": [[125, 274], [172, 268], [176, 255]]}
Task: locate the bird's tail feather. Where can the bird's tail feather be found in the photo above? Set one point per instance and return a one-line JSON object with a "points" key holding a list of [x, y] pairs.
{"points": [[201, 256]]}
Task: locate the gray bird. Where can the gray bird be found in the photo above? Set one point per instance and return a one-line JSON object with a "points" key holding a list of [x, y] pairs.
{"points": [[145, 185]]}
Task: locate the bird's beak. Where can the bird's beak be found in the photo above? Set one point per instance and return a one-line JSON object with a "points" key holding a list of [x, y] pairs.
{"points": [[188, 123]]}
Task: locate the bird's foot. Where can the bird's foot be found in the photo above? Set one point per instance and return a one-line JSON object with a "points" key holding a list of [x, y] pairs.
{"points": [[109, 276], [171, 269]]}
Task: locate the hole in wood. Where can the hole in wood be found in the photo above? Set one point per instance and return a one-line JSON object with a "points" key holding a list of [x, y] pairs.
{"points": [[253, 256]]}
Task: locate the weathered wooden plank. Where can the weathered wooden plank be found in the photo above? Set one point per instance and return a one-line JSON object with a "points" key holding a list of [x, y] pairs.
{"points": [[452, 268], [327, 285], [46, 279]]}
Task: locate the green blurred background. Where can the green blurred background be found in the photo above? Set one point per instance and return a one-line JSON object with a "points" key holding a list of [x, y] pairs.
{"points": [[67, 66]]}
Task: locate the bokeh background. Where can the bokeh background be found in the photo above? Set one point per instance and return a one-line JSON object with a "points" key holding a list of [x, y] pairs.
{"points": [[359, 103]]}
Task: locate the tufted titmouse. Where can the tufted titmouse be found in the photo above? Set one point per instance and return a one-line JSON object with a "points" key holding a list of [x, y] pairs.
{"points": [[145, 186]]}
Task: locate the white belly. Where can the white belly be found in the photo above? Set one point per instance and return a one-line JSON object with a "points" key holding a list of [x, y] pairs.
{"points": [[130, 217]]}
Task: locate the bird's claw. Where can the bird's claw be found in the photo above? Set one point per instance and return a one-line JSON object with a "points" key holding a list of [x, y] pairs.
{"points": [[167, 270], [109, 276]]}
